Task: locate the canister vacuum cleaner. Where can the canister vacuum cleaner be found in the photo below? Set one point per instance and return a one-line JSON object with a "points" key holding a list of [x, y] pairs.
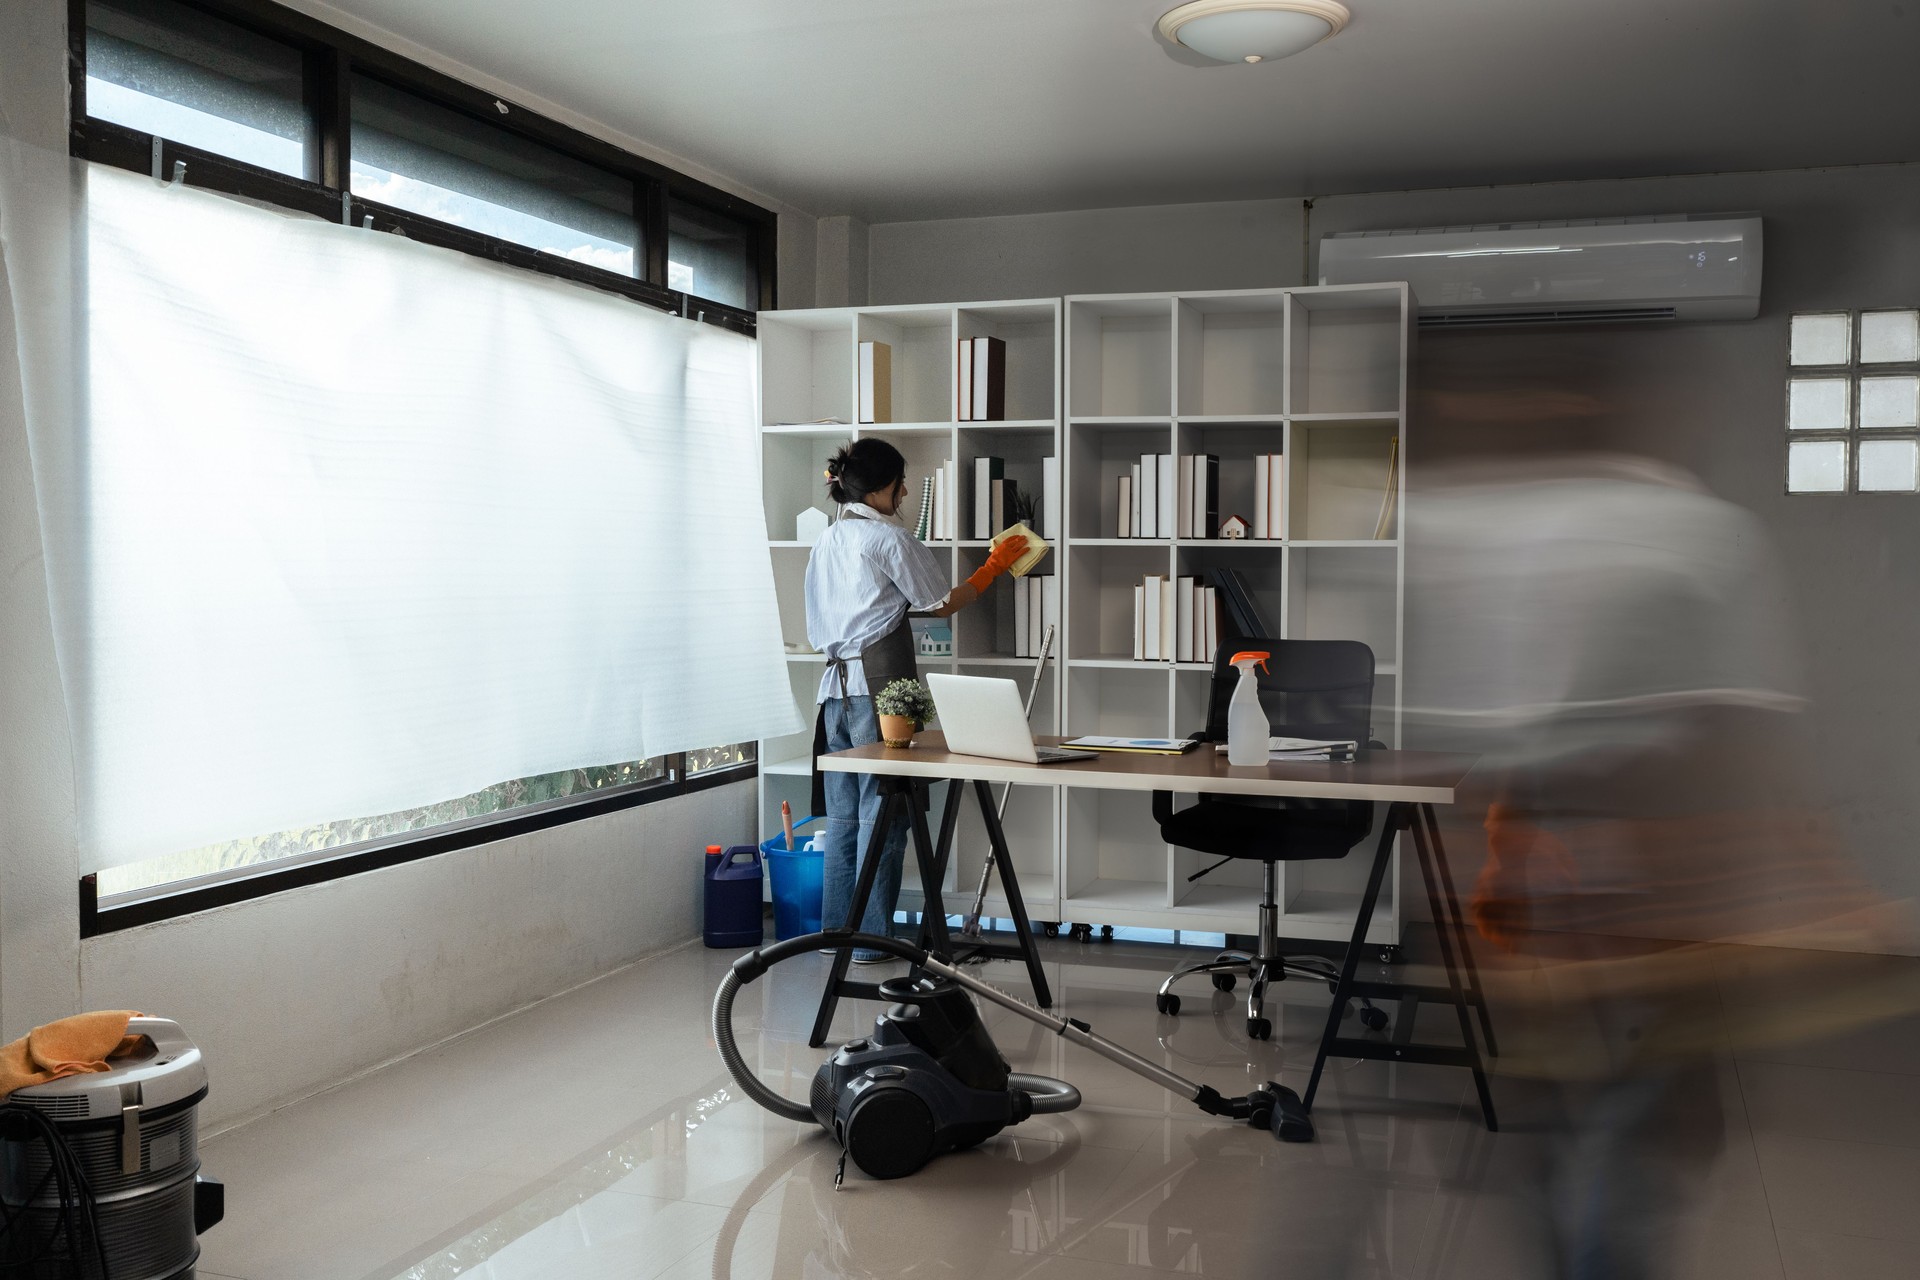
{"points": [[929, 1078]]}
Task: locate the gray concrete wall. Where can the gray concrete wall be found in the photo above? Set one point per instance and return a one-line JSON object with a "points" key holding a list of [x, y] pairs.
{"points": [[1706, 396]]}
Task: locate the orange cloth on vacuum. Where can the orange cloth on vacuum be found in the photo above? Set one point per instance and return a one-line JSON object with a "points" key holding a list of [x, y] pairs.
{"points": [[80, 1045]]}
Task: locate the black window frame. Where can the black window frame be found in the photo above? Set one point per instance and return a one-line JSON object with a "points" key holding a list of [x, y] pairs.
{"points": [[332, 57]]}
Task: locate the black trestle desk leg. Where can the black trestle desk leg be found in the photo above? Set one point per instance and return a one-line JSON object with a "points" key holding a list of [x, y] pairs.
{"points": [[933, 907], [1016, 903], [1472, 971], [942, 855], [1383, 856], [1448, 941], [862, 890]]}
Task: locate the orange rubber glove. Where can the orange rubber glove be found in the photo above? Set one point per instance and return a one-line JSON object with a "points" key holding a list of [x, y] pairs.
{"points": [[998, 563]]}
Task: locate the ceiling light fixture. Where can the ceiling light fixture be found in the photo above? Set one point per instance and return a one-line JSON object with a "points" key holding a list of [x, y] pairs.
{"points": [[1252, 30]]}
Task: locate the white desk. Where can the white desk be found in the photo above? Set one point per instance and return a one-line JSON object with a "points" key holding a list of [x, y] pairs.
{"points": [[1410, 783]]}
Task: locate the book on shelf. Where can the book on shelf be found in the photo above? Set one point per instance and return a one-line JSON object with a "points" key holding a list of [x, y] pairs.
{"points": [[1183, 620], [1022, 617], [1134, 526], [963, 385], [1146, 490], [989, 380], [1385, 521], [1125, 527], [1276, 497], [1169, 617], [1209, 624], [986, 471], [1204, 502], [1050, 498], [923, 527], [1169, 495], [1049, 608], [1156, 604], [1262, 480], [1139, 621], [876, 382], [1185, 514], [1141, 746]]}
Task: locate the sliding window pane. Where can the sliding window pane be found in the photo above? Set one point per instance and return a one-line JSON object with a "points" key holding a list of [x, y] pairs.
{"points": [[711, 255], [419, 156], [187, 76]]}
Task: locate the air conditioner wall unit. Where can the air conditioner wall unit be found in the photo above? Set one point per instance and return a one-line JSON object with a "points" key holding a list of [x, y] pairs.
{"points": [[1591, 271]]}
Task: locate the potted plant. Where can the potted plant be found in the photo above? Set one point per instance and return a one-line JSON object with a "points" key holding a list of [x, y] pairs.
{"points": [[905, 706]]}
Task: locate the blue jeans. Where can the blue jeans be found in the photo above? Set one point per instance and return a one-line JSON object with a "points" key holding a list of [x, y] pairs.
{"points": [[853, 806]]}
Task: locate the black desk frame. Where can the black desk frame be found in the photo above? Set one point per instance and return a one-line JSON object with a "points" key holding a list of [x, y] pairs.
{"points": [[1456, 954], [932, 858]]}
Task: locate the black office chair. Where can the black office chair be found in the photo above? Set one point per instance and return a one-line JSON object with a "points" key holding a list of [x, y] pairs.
{"points": [[1311, 689]]}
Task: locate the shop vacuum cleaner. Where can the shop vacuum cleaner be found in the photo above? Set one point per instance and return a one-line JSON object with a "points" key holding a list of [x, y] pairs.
{"points": [[100, 1173], [929, 1078]]}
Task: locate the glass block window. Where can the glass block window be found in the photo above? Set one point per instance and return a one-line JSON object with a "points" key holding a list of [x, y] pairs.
{"points": [[1817, 404], [1890, 403], [1889, 466], [1889, 337], [1817, 466], [1853, 402], [1820, 338]]}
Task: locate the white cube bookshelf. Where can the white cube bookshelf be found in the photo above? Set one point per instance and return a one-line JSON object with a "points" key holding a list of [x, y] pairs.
{"points": [[809, 364], [1316, 375]]}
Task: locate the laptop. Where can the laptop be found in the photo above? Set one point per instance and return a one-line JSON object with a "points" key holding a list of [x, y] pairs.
{"points": [[985, 717]]}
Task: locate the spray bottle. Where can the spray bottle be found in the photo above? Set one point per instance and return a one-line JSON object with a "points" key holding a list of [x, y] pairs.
{"points": [[1247, 726]]}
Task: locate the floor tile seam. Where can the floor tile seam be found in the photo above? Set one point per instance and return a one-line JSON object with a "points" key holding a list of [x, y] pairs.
{"points": [[443, 1042], [1766, 1193], [1821, 1066]]}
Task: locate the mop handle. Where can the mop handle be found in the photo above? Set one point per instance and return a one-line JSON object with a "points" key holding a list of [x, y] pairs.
{"points": [[971, 926]]}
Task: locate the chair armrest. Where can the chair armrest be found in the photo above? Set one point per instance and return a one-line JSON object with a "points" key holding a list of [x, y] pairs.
{"points": [[1162, 807]]}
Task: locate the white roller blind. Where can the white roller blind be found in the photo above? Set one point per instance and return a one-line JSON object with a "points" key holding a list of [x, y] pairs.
{"points": [[369, 525]]}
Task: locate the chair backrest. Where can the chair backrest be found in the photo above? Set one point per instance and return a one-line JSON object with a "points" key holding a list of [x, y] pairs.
{"points": [[1310, 689]]}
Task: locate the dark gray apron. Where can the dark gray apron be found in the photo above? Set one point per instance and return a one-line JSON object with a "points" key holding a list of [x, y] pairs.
{"points": [[887, 659]]}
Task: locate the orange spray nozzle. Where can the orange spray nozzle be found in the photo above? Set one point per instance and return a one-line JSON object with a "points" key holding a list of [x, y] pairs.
{"points": [[1250, 655]]}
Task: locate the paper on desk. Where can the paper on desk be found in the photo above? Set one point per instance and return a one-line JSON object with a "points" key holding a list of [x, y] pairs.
{"points": [[1306, 748]]}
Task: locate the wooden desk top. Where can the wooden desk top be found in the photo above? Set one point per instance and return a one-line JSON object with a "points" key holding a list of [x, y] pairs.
{"points": [[1418, 777]]}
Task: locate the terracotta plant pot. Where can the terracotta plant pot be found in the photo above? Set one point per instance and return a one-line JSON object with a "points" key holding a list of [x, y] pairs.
{"points": [[897, 731]]}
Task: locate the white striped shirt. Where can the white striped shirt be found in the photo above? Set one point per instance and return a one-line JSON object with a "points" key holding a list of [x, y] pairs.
{"points": [[862, 576]]}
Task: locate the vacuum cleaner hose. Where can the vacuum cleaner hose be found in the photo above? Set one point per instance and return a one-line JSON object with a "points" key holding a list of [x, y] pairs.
{"points": [[1049, 1095]]}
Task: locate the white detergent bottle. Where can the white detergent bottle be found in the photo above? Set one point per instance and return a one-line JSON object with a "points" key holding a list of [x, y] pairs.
{"points": [[1247, 727]]}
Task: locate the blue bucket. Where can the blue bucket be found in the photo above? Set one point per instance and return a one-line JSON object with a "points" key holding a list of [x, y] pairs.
{"points": [[798, 878]]}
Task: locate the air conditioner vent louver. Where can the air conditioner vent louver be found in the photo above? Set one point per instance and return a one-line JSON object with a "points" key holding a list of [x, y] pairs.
{"points": [[1592, 271], [1571, 315]]}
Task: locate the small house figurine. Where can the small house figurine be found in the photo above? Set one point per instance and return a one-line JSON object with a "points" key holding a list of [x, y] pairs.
{"points": [[934, 641], [809, 525], [1234, 527]]}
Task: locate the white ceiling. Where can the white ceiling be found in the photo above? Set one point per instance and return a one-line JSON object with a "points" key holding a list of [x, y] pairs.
{"points": [[908, 109]]}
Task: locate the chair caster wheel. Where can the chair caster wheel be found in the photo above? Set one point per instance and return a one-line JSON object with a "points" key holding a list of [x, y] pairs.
{"points": [[1373, 1019], [1168, 1004], [1080, 932], [1106, 933], [1223, 982], [1050, 928], [1259, 1029]]}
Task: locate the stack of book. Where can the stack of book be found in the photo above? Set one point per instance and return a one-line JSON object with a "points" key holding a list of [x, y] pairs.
{"points": [[1269, 497], [939, 504], [981, 390], [1164, 497], [997, 499], [1175, 620], [1036, 606]]}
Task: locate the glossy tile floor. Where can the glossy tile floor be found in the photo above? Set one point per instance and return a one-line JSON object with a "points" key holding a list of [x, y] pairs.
{"points": [[597, 1135]]}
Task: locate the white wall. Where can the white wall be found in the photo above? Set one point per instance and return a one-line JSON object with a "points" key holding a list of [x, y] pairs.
{"points": [[1708, 397], [289, 994]]}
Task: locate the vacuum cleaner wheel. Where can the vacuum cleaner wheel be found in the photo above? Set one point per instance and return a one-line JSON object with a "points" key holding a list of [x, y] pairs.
{"points": [[890, 1133]]}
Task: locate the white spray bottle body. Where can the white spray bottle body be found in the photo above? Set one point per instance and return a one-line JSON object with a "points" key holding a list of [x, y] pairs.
{"points": [[1247, 726]]}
